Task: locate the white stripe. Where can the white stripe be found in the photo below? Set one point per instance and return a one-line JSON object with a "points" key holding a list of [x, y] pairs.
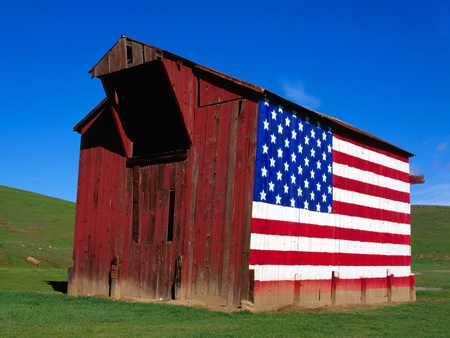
{"points": [[369, 155], [280, 213], [308, 272], [308, 244], [369, 177], [370, 201]]}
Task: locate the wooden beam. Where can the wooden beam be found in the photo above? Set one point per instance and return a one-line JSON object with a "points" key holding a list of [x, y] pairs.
{"points": [[416, 179], [126, 142]]}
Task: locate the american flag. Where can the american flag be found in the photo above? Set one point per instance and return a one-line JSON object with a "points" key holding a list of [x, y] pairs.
{"points": [[323, 202]]}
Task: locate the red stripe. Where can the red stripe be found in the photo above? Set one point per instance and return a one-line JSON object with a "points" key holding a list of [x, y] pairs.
{"points": [[343, 208], [374, 149], [370, 189], [272, 257], [285, 228], [356, 162]]}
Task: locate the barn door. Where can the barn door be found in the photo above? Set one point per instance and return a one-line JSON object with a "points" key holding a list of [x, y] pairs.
{"points": [[152, 232]]}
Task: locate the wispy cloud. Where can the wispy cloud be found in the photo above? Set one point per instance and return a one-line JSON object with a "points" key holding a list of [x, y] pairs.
{"points": [[296, 93], [442, 146], [438, 194]]}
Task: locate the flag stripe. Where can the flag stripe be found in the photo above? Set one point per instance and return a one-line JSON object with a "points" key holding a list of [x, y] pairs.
{"points": [[321, 272], [313, 258], [354, 210], [371, 167], [284, 228], [371, 154], [370, 189], [328, 245], [387, 205], [303, 217]]}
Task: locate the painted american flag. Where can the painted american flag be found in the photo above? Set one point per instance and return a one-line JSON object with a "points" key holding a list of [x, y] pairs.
{"points": [[323, 202]]}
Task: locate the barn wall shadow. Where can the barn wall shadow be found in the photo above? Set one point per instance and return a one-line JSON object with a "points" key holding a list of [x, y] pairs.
{"points": [[58, 286]]}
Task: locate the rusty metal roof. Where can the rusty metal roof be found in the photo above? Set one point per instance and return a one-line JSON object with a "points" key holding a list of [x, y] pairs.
{"points": [[145, 53]]}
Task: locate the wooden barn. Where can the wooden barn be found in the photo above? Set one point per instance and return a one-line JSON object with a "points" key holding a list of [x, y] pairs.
{"points": [[194, 185]]}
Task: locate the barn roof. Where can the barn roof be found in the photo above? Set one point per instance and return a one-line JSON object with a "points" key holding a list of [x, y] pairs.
{"points": [[127, 53]]}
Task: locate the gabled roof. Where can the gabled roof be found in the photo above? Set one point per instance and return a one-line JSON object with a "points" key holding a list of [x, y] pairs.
{"points": [[127, 53]]}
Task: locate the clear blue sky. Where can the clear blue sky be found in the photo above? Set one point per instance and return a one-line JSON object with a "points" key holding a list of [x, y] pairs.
{"points": [[382, 66]]}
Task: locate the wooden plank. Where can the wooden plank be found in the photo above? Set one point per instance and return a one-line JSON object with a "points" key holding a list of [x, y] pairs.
{"points": [[126, 142], [138, 53], [209, 94], [416, 179]]}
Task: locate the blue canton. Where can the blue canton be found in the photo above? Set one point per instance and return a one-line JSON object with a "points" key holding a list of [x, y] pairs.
{"points": [[293, 161]]}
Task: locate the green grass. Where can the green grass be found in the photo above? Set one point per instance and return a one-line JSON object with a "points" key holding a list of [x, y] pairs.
{"points": [[42, 227]]}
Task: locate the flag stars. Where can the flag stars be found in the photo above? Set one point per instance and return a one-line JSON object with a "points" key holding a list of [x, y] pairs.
{"points": [[280, 152], [263, 172], [318, 186], [294, 134], [330, 209], [306, 183], [318, 207], [330, 189], [306, 162], [313, 174], [273, 138], [300, 149], [265, 149], [272, 162], [306, 205], [324, 156], [278, 199], [319, 165], [292, 202], [280, 129], [286, 189], [319, 143], [279, 175], [324, 136], [300, 126], [324, 178], [293, 178], [300, 170], [313, 133], [293, 157], [329, 148], [271, 186], [263, 195], [299, 192], [286, 166], [312, 195], [287, 122], [313, 153], [324, 197], [266, 125], [306, 139], [286, 143], [329, 168], [274, 115]]}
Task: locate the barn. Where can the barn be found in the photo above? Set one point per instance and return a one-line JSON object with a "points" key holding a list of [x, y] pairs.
{"points": [[194, 185]]}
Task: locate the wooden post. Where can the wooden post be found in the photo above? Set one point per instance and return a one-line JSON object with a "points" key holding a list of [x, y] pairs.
{"points": [[334, 286], [177, 285], [113, 277], [412, 288], [390, 284]]}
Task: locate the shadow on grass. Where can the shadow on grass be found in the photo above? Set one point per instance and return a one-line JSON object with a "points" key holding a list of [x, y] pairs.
{"points": [[58, 286]]}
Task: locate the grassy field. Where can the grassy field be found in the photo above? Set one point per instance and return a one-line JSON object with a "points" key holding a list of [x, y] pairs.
{"points": [[40, 227]]}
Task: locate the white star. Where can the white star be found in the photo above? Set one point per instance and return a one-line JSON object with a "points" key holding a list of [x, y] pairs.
{"points": [[324, 178], [306, 140], [286, 188], [300, 126], [319, 143], [299, 191], [293, 179], [300, 148], [280, 129], [324, 136], [287, 122], [329, 148], [306, 162], [306, 205], [329, 168], [294, 134], [313, 133], [318, 164], [272, 162], [279, 176], [265, 149], [274, 115], [280, 152], [271, 186], [266, 124], [280, 109], [318, 186], [266, 103], [312, 195], [306, 182], [324, 198], [330, 189], [263, 196], [286, 143], [292, 203], [278, 199], [273, 138], [286, 166], [313, 153], [329, 209], [264, 172], [324, 156], [293, 157], [317, 207], [313, 173], [300, 169]]}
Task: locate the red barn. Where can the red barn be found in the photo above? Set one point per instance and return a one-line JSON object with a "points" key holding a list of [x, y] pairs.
{"points": [[196, 185]]}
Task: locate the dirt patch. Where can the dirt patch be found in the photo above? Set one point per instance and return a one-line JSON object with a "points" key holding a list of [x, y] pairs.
{"points": [[33, 260]]}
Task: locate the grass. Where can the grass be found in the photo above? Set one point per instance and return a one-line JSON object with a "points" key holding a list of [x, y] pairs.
{"points": [[42, 227]]}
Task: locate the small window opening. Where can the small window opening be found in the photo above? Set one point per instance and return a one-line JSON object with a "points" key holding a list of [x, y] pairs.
{"points": [[171, 216], [129, 55]]}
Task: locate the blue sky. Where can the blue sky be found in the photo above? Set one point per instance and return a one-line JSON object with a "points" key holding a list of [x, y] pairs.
{"points": [[382, 66]]}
